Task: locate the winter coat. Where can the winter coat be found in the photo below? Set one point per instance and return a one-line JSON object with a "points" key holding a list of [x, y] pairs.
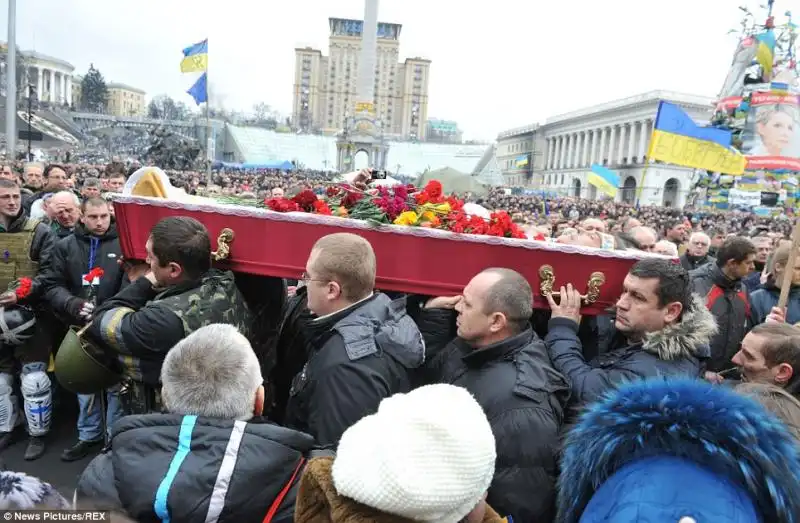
{"points": [[40, 252], [678, 450], [143, 323], [72, 258], [691, 263], [763, 300], [677, 349], [524, 398], [318, 501], [729, 302], [230, 471], [358, 357]]}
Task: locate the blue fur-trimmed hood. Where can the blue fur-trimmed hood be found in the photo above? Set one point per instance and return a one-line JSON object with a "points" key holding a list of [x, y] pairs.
{"points": [[714, 427]]}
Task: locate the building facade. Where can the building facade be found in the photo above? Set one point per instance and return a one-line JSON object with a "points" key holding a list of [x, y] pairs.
{"points": [[442, 131], [124, 100], [557, 156], [325, 87], [49, 78]]}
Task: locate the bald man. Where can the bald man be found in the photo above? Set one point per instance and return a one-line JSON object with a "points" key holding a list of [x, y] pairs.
{"points": [[645, 237]]}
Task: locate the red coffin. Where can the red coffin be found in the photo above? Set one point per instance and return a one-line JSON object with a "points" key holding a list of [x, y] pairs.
{"points": [[410, 259]]}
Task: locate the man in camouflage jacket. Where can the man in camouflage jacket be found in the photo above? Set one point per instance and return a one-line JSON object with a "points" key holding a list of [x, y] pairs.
{"points": [[178, 294]]}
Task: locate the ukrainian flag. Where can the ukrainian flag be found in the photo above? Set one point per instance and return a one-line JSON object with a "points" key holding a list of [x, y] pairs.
{"points": [[678, 140], [195, 58], [765, 53], [522, 160], [605, 180]]}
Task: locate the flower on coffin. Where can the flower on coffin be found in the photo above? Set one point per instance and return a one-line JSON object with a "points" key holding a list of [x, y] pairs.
{"points": [[94, 274], [407, 218], [305, 200], [282, 205], [320, 207], [432, 193], [22, 288]]}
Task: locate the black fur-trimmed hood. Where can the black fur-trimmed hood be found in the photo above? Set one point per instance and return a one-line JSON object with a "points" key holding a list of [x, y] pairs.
{"points": [[711, 427]]}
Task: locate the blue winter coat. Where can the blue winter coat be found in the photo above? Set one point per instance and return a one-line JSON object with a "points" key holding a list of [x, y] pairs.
{"points": [[764, 299]]}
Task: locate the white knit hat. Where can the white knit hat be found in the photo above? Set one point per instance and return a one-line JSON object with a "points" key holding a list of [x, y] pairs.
{"points": [[427, 455]]}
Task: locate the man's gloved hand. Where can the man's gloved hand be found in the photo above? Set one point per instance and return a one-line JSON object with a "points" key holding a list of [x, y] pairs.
{"points": [[87, 309]]}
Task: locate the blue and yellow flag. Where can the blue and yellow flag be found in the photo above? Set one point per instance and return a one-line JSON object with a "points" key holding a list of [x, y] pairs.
{"points": [[765, 52], [678, 140], [195, 58], [199, 90], [606, 180]]}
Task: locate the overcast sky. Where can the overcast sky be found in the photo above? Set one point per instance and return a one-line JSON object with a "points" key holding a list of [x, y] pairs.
{"points": [[496, 64]]}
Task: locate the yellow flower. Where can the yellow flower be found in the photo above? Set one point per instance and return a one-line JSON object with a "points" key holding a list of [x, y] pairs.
{"points": [[407, 218]]}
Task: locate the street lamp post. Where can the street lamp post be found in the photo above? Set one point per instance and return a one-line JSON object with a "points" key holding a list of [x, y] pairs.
{"points": [[11, 82]]}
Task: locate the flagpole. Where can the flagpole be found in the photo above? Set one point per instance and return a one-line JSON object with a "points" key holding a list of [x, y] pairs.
{"points": [[209, 160]]}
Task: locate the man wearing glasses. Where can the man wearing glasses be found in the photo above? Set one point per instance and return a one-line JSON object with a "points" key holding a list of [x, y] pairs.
{"points": [[355, 346]]}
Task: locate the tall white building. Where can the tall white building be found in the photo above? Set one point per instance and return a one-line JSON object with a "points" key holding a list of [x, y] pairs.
{"points": [[326, 87], [557, 155]]}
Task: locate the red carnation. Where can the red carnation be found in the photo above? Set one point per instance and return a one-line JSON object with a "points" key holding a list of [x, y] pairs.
{"points": [[93, 274], [434, 189], [23, 289], [320, 207], [281, 205], [305, 200]]}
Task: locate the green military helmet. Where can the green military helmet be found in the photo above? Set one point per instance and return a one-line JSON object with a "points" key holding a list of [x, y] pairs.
{"points": [[84, 368]]}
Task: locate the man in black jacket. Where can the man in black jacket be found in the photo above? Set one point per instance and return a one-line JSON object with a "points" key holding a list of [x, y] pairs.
{"points": [[178, 294], [659, 330], [25, 246], [73, 294], [696, 254], [229, 465], [498, 358], [721, 288], [362, 346]]}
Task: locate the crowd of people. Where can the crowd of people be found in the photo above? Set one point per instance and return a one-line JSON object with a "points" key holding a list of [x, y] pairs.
{"points": [[214, 396]]}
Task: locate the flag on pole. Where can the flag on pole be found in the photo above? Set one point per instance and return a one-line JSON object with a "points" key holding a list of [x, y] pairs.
{"points": [[606, 180], [195, 58], [678, 140], [199, 91]]}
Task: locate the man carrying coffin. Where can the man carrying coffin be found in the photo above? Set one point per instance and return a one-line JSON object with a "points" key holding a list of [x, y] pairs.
{"points": [[178, 293]]}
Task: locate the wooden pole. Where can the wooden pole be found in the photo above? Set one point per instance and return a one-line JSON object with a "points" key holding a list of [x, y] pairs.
{"points": [[788, 271]]}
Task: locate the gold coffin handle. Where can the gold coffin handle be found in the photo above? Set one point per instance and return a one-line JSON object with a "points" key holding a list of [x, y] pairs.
{"points": [[547, 275], [224, 241]]}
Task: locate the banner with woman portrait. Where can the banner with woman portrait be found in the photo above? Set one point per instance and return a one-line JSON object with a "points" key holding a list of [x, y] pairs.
{"points": [[771, 136]]}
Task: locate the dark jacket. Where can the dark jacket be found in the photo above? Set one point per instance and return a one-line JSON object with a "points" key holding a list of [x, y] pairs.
{"points": [[763, 300], [232, 470], [753, 280], [675, 350], [41, 248], [141, 322], [358, 357], [72, 258], [729, 302], [691, 263], [524, 398]]}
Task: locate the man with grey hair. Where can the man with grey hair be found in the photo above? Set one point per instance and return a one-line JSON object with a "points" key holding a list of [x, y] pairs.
{"points": [[231, 466], [696, 254], [496, 356], [65, 207], [91, 188]]}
